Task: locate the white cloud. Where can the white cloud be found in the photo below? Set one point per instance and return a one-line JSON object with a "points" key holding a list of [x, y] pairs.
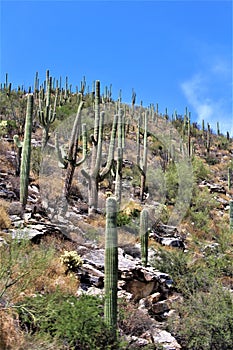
{"points": [[204, 93]]}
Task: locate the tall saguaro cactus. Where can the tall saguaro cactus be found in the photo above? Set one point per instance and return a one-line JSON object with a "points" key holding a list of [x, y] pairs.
{"points": [[144, 236], [95, 174], [26, 153], [142, 165], [121, 135], [111, 265], [231, 215], [48, 115], [229, 174]]}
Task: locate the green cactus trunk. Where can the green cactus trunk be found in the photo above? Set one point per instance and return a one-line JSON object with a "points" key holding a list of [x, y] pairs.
{"points": [[231, 215], [121, 135], [143, 166], [26, 153], [229, 178], [111, 265], [144, 236]]}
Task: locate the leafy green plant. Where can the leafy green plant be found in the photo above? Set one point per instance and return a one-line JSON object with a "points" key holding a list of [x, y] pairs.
{"points": [[200, 170], [200, 210], [206, 321], [77, 322], [20, 265], [172, 182], [187, 274]]}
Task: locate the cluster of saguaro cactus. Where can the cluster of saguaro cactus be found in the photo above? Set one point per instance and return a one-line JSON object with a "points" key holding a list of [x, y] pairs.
{"points": [[95, 174], [48, 115], [69, 160], [111, 265], [144, 236], [26, 153]]}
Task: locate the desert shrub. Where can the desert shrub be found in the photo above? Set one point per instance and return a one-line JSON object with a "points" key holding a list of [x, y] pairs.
{"points": [[123, 219], [20, 265], [211, 160], [200, 170], [11, 336], [132, 321], [5, 221], [77, 322], [200, 210], [36, 158], [172, 182], [188, 275], [206, 321]]}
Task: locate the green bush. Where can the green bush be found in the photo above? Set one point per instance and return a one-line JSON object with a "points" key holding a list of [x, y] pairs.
{"points": [[206, 321], [77, 322], [200, 170], [20, 265], [202, 204], [187, 274], [36, 158], [172, 183]]}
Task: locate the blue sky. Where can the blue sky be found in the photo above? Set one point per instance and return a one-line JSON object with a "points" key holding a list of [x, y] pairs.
{"points": [[174, 53]]}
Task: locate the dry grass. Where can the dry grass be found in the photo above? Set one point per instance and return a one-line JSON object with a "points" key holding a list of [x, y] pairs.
{"points": [[6, 163], [5, 221], [11, 337]]}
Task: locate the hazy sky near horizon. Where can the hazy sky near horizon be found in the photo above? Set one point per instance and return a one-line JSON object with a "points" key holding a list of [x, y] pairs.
{"points": [[174, 53]]}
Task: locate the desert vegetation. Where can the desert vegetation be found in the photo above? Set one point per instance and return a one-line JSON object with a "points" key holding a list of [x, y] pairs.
{"points": [[96, 172]]}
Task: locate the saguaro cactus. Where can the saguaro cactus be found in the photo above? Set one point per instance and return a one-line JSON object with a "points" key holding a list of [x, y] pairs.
{"points": [[231, 215], [26, 153], [69, 160], [229, 178], [111, 265], [95, 174], [47, 116], [121, 136], [144, 236], [142, 165]]}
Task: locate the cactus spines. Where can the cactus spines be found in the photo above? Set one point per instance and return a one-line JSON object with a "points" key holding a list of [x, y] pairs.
{"points": [[111, 265], [231, 215], [26, 153], [144, 236]]}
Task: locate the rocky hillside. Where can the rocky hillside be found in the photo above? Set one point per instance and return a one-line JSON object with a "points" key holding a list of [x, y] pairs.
{"points": [[86, 147]]}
